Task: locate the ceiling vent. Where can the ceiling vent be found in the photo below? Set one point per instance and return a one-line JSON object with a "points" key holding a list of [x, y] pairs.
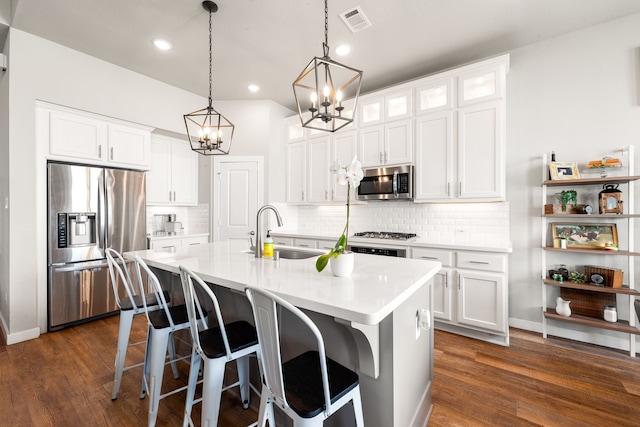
{"points": [[355, 19]]}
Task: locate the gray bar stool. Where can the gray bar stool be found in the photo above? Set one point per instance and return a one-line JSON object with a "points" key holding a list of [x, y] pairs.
{"points": [[131, 306], [215, 343], [310, 387], [162, 324]]}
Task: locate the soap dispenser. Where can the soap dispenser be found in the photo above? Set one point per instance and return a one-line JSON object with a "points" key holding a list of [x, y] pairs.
{"points": [[268, 245]]}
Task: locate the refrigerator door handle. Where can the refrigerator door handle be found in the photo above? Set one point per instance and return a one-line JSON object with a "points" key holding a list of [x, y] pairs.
{"points": [[102, 212], [81, 267]]}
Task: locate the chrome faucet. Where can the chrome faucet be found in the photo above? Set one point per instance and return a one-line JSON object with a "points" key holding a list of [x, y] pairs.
{"points": [[258, 250]]}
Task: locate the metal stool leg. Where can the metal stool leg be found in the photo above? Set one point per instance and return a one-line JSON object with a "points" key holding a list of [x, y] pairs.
{"points": [[124, 331]]}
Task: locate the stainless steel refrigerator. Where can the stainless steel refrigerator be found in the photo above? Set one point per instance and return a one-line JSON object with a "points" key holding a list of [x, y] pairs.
{"points": [[89, 209]]}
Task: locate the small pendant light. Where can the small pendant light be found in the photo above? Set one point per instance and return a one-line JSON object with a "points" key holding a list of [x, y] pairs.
{"points": [[323, 86], [209, 132]]}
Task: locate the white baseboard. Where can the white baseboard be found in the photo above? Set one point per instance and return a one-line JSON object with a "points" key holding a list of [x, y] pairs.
{"points": [[17, 337]]}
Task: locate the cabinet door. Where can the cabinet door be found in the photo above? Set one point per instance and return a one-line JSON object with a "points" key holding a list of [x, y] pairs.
{"points": [[129, 146], [398, 105], [481, 164], [434, 95], [371, 110], [481, 300], [371, 141], [398, 147], [318, 169], [184, 174], [344, 146], [442, 289], [78, 136], [159, 176], [481, 85], [293, 129], [434, 156], [296, 171]]}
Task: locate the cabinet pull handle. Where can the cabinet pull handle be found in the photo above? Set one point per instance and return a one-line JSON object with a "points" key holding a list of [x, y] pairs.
{"points": [[192, 244], [448, 189], [446, 280], [380, 155], [167, 247], [326, 195], [479, 262], [458, 282], [170, 196], [111, 153], [459, 188], [100, 150], [303, 196], [174, 196], [429, 257], [303, 245]]}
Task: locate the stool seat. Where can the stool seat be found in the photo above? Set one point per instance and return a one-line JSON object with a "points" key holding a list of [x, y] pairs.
{"points": [[138, 304], [241, 335], [303, 383], [159, 319]]}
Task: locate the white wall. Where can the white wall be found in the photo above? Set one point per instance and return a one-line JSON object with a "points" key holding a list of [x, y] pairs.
{"points": [[577, 95], [41, 70]]}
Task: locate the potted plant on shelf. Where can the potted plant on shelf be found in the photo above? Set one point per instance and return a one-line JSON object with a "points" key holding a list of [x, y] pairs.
{"points": [[341, 259], [566, 197]]}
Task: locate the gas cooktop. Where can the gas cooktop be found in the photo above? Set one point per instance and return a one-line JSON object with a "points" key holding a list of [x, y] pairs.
{"points": [[385, 235]]}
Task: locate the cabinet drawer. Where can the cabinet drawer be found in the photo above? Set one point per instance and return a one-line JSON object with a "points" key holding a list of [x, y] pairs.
{"points": [[186, 241], [283, 241], [445, 257], [482, 261], [304, 243]]}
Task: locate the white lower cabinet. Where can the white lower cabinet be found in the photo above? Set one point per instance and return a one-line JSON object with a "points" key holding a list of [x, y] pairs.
{"points": [[174, 242], [470, 293]]}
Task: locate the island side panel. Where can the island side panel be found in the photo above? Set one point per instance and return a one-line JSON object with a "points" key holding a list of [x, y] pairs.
{"points": [[401, 395]]}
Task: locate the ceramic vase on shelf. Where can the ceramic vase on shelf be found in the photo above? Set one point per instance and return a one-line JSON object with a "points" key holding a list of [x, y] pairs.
{"points": [[343, 265], [562, 307]]}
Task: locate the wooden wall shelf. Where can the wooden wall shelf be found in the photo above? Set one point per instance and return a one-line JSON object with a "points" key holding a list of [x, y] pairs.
{"points": [[587, 287], [620, 325], [583, 181]]}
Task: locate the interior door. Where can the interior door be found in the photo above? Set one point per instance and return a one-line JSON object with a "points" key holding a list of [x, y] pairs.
{"points": [[237, 195]]}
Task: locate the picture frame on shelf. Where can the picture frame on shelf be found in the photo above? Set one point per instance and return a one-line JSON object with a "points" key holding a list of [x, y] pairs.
{"points": [[563, 171], [587, 236]]}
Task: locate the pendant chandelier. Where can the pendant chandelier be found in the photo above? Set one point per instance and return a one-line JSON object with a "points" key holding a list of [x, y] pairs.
{"points": [[323, 86], [209, 132]]}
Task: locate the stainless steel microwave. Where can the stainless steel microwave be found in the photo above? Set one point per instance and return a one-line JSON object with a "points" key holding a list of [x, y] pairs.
{"points": [[390, 183]]}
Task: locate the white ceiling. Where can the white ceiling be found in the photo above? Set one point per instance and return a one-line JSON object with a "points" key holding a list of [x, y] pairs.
{"points": [[268, 42]]}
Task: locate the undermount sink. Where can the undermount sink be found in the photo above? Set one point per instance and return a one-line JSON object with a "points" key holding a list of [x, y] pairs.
{"points": [[291, 253]]}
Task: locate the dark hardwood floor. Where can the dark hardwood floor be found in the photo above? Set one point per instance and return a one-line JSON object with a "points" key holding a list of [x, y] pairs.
{"points": [[65, 379]]}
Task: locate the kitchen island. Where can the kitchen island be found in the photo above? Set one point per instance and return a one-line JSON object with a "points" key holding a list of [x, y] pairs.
{"points": [[377, 321]]}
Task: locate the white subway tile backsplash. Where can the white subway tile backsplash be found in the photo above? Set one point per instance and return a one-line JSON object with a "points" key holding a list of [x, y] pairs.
{"points": [[452, 221]]}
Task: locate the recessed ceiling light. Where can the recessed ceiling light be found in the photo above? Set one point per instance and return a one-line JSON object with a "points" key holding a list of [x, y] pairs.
{"points": [[162, 44], [254, 88], [343, 49]]}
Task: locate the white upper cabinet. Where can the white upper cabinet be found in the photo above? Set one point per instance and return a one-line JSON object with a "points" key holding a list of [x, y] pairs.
{"points": [[451, 125], [128, 145], [434, 171], [293, 129], [481, 152], [344, 146], [79, 136], [386, 144], [480, 83], [434, 94], [173, 177], [73, 135], [296, 172], [318, 173], [460, 134]]}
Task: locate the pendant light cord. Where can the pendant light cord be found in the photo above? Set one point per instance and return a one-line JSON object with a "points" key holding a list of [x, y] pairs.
{"points": [[210, 62], [325, 45]]}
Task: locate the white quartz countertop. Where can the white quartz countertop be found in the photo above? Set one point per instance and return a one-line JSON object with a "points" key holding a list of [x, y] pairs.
{"points": [[376, 288], [461, 241]]}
